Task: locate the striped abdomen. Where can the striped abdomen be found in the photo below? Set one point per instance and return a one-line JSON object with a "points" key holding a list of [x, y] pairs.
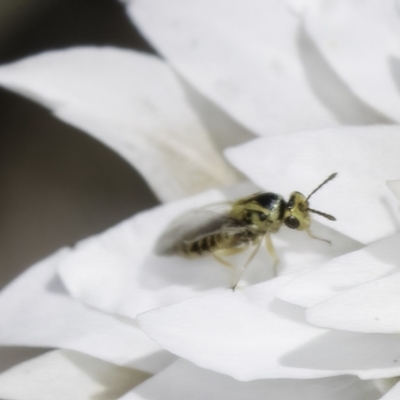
{"points": [[217, 241]]}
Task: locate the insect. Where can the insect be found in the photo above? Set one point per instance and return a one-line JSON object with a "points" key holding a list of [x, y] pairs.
{"points": [[247, 222]]}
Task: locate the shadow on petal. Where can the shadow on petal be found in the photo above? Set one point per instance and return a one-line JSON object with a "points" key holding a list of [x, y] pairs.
{"points": [[331, 90], [346, 351]]}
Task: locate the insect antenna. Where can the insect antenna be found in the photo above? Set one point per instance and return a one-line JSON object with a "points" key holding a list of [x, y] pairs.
{"points": [[328, 216], [329, 178]]}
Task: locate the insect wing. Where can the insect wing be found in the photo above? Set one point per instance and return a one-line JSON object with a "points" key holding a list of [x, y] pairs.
{"points": [[248, 199], [194, 225]]}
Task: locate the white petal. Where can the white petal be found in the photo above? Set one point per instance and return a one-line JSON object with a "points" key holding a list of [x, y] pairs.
{"points": [[394, 186], [360, 40], [224, 129], [253, 60], [393, 394], [365, 159], [194, 383], [250, 335], [36, 310], [342, 273], [67, 375], [133, 103], [298, 253], [118, 272], [10, 356], [372, 307]]}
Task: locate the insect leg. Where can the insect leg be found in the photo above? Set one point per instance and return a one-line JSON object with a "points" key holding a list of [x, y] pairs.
{"points": [[221, 260], [309, 233], [271, 251], [254, 252], [231, 251], [226, 252]]}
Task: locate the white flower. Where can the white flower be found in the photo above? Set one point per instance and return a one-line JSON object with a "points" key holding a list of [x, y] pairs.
{"points": [[120, 314]]}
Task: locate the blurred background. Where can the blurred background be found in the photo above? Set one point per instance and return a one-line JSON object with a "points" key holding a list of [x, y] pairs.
{"points": [[57, 184]]}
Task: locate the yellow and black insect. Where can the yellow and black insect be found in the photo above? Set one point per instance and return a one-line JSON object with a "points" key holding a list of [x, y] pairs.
{"points": [[247, 222]]}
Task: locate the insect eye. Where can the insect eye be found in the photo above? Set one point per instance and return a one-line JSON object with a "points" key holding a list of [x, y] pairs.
{"points": [[263, 217], [292, 222]]}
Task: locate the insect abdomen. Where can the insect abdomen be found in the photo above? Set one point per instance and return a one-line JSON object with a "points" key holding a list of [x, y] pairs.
{"points": [[206, 244], [215, 242]]}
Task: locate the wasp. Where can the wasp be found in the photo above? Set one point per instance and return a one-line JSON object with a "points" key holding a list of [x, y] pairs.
{"points": [[247, 222]]}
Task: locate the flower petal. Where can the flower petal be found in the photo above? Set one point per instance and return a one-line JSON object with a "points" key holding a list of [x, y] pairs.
{"points": [[393, 394], [359, 39], [250, 335], [371, 307], [133, 103], [342, 273], [66, 375], [191, 382], [254, 62], [394, 186], [364, 158], [10, 356], [118, 272], [298, 253], [36, 311]]}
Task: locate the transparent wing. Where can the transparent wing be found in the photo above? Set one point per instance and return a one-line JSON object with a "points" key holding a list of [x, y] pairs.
{"points": [[196, 224]]}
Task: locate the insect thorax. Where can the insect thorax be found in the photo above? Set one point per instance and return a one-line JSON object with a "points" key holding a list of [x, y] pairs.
{"points": [[262, 211]]}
